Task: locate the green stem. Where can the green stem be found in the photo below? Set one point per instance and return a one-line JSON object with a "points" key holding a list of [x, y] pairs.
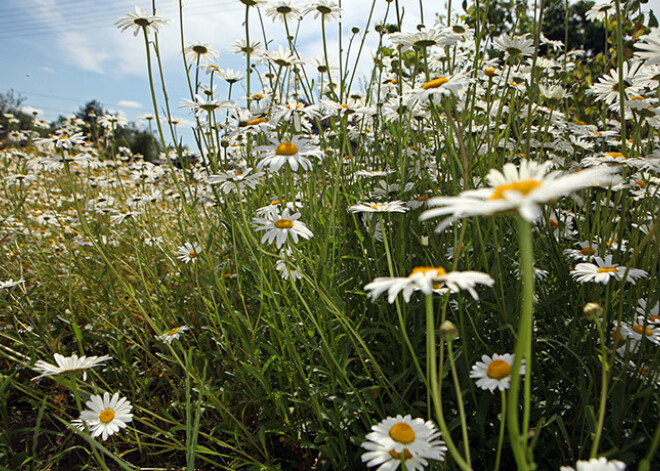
{"points": [[435, 386], [459, 398], [500, 440], [153, 93], [522, 349], [605, 376]]}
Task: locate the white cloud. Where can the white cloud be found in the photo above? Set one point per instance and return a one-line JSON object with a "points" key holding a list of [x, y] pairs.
{"points": [[129, 104], [48, 70]]}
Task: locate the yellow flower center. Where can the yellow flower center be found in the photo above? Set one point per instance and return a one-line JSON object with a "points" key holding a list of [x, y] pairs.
{"points": [[640, 183], [402, 432], [616, 155], [607, 269], [397, 456], [377, 206], [192, 254], [254, 122], [587, 251], [554, 224], [286, 148], [524, 187], [173, 331], [106, 415], [435, 83], [257, 96], [275, 202], [655, 319], [490, 71], [580, 123], [284, 223], [641, 330], [616, 335], [440, 271], [498, 369]]}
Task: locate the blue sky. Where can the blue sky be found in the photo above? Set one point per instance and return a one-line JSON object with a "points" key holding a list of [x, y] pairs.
{"points": [[61, 54]]}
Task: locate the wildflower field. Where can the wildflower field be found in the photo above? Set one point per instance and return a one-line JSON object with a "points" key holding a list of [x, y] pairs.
{"points": [[449, 261]]}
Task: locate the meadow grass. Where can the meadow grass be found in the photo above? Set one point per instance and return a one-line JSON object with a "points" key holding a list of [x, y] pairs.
{"points": [[238, 294]]}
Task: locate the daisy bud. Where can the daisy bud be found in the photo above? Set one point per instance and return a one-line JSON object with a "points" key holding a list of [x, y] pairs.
{"points": [[355, 30], [448, 331], [592, 311]]}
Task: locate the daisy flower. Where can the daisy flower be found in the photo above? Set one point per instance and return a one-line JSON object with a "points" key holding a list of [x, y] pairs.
{"points": [[402, 437], [235, 180], [641, 329], [495, 372], [286, 268], [439, 87], [650, 47], [294, 153], [515, 45], [140, 19], [173, 334], [603, 270], [10, 283], [600, 12], [326, 9], [607, 88], [522, 189], [278, 228], [596, 464], [426, 280], [282, 57], [284, 10], [188, 252], [105, 416], [64, 364], [388, 207], [199, 51]]}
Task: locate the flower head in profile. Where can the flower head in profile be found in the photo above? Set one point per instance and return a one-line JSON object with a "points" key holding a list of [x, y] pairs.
{"points": [[596, 464], [278, 228], [494, 373], [397, 438], [604, 270], [236, 180], [427, 280], [640, 330], [139, 20], [106, 415], [522, 189], [173, 334], [387, 207], [65, 364]]}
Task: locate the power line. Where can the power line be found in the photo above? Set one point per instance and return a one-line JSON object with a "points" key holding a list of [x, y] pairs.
{"points": [[94, 17]]}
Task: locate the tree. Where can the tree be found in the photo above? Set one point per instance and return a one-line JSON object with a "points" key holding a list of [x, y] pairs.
{"points": [[580, 32]]}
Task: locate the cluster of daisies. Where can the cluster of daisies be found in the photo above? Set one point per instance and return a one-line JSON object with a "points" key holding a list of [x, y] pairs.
{"points": [[268, 163], [105, 415]]}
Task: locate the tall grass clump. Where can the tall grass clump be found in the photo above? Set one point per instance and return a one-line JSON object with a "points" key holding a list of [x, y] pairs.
{"points": [[439, 253]]}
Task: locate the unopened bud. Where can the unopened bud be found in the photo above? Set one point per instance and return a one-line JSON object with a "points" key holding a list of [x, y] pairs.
{"points": [[355, 30], [592, 311], [448, 331]]}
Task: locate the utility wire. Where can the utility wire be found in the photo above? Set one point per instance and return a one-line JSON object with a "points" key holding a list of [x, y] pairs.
{"points": [[94, 17]]}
